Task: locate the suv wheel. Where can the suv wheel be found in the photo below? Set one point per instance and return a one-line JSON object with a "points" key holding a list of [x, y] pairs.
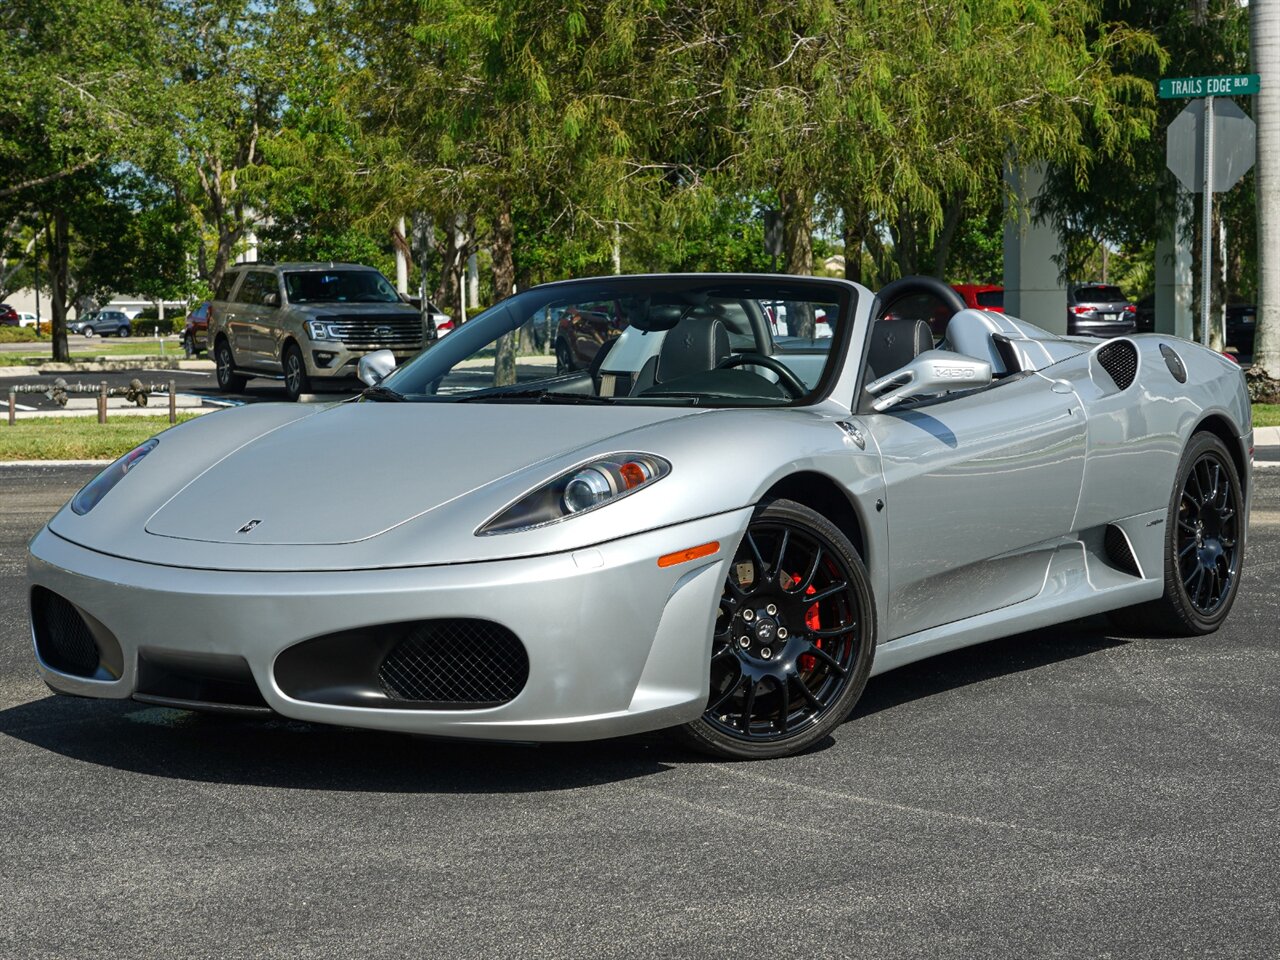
{"points": [[228, 380], [296, 381], [124, 331], [564, 358]]}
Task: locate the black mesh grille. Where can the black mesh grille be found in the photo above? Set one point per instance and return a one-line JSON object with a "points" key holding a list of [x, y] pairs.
{"points": [[1120, 359], [1118, 551], [1174, 363], [62, 637], [458, 663]]}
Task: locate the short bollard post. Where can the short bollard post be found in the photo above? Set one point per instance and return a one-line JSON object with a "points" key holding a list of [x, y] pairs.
{"points": [[13, 407], [173, 402], [102, 402]]}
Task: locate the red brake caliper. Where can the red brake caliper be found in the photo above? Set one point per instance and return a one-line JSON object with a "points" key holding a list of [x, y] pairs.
{"points": [[807, 661]]}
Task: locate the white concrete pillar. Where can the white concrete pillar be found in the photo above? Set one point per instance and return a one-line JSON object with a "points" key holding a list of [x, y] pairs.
{"points": [[473, 281], [1174, 282], [1032, 291]]}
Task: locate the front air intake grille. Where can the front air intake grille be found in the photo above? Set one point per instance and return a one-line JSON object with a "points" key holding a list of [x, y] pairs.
{"points": [[63, 639], [1119, 553], [1120, 359], [458, 664], [396, 330]]}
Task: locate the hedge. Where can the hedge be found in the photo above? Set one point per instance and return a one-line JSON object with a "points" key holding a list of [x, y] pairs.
{"points": [[18, 335], [145, 326]]}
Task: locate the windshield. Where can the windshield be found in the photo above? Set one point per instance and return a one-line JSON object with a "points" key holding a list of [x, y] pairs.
{"points": [[338, 286], [705, 341]]}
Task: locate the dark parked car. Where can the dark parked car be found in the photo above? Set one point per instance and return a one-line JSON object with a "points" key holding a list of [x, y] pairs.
{"points": [[9, 316], [1144, 314], [103, 323], [981, 296], [1242, 321], [195, 333], [583, 329], [1099, 310]]}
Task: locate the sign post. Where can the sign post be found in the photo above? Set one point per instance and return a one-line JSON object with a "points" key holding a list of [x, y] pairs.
{"points": [[1230, 132]]}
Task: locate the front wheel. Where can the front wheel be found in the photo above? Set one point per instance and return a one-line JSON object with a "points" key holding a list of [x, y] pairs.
{"points": [[1203, 549], [794, 638], [296, 381]]}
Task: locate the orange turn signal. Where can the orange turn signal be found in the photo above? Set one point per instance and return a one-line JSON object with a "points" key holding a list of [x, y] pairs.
{"points": [[693, 553]]}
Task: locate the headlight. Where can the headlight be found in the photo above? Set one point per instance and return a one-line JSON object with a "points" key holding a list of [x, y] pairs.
{"points": [[580, 490], [324, 330], [101, 485]]}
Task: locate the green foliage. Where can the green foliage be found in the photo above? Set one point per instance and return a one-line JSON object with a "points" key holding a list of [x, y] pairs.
{"points": [[18, 335]]}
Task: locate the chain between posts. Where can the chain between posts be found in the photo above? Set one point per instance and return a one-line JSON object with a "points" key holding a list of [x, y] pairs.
{"points": [[136, 392]]}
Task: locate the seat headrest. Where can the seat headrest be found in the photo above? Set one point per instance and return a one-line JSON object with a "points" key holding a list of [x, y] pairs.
{"points": [[695, 345], [895, 343]]}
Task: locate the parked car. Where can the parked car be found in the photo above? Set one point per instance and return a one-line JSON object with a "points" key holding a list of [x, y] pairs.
{"points": [[103, 323], [776, 315], [438, 322], [195, 332], [306, 323], [583, 329], [981, 296], [696, 539], [1144, 314], [1099, 310], [1242, 323], [8, 316], [26, 319]]}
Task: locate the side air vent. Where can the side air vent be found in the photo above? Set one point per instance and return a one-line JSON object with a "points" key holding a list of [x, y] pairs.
{"points": [[67, 643], [1120, 359], [1119, 553], [1173, 362]]}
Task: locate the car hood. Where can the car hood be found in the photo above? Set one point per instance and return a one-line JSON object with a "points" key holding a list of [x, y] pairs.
{"points": [[361, 469], [371, 485]]}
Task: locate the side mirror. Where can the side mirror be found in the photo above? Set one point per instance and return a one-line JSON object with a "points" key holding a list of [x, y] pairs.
{"points": [[373, 368], [931, 373], [271, 300]]}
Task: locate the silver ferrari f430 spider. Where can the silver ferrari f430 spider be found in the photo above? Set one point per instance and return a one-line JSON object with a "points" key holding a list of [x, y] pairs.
{"points": [[760, 492]]}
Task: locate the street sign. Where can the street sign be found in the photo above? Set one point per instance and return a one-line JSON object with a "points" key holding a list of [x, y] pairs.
{"points": [[1233, 85], [1234, 146]]}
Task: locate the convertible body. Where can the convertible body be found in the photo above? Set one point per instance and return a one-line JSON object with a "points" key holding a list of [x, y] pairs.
{"points": [[457, 567]]}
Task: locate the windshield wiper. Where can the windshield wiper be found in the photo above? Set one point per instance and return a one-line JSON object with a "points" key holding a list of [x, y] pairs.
{"points": [[540, 395], [386, 394]]}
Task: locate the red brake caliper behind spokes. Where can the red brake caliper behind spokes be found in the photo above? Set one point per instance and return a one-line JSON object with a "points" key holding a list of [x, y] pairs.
{"points": [[807, 661]]}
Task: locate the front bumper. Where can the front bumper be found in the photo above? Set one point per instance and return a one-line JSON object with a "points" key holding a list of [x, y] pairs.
{"points": [[616, 644], [335, 360]]}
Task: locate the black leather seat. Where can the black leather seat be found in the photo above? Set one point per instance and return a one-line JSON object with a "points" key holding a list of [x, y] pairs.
{"points": [[696, 344], [895, 343]]}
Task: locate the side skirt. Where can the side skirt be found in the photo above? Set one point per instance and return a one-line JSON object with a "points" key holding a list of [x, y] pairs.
{"points": [[1072, 590]]}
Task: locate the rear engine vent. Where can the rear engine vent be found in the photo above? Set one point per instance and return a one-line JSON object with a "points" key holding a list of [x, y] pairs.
{"points": [[1120, 359], [1173, 362], [63, 639], [1119, 553], [458, 664]]}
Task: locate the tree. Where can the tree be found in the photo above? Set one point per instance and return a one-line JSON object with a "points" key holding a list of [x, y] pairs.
{"points": [[1265, 31]]}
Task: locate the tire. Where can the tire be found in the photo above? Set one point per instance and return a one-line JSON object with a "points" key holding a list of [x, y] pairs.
{"points": [[296, 381], [225, 364], [564, 358], [1203, 548], [124, 331], [188, 347], [793, 680], [87, 332]]}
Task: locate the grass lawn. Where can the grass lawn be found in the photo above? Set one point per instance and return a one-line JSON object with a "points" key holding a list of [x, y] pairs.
{"points": [[77, 438], [130, 348], [1266, 414]]}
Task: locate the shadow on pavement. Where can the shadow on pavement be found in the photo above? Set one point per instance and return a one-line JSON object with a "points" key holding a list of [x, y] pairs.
{"points": [[177, 744]]}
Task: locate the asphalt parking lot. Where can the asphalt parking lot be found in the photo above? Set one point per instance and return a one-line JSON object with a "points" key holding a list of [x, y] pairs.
{"points": [[1064, 793]]}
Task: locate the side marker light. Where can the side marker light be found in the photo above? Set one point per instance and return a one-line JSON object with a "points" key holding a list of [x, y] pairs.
{"points": [[692, 553]]}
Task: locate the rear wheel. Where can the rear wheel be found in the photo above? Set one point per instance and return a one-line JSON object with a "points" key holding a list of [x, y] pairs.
{"points": [[564, 358], [296, 381], [794, 638], [123, 331], [1203, 551], [228, 380]]}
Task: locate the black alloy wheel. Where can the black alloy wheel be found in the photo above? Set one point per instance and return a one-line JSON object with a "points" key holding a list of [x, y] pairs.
{"points": [[794, 637], [296, 381], [1204, 551], [225, 365]]}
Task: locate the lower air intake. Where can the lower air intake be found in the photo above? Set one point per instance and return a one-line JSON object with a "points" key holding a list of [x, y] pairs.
{"points": [[457, 664], [1119, 553], [1120, 359], [63, 639]]}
